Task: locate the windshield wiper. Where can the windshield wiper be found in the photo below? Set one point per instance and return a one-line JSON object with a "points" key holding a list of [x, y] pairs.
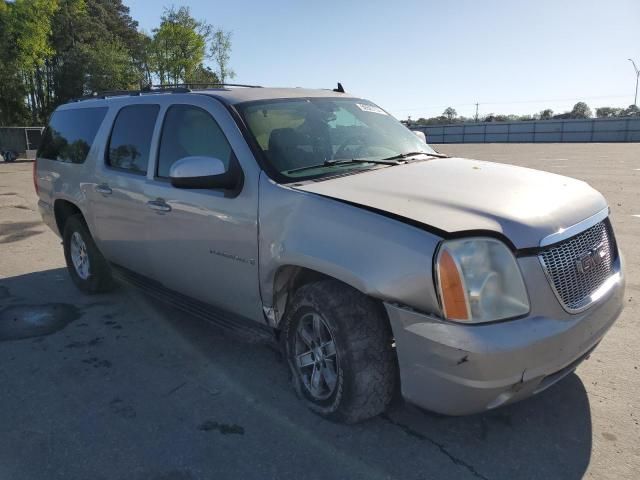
{"points": [[331, 163], [413, 154]]}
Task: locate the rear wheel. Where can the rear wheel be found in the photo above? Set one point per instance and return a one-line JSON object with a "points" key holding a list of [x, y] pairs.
{"points": [[339, 348], [87, 267]]}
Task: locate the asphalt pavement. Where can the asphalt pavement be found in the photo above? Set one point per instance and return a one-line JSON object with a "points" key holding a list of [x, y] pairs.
{"points": [[120, 386]]}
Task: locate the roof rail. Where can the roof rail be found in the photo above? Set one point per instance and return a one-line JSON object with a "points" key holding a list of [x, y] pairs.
{"points": [[131, 93], [175, 88], [206, 85]]}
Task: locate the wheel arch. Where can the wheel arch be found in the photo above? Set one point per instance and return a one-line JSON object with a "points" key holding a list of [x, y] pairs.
{"points": [[289, 278], [63, 209]]}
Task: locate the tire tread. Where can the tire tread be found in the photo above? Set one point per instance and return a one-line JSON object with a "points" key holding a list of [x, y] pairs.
{"points": [[372, 381]]}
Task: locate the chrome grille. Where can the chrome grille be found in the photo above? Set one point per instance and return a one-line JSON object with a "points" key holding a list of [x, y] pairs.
{"points": [[571, 268]]}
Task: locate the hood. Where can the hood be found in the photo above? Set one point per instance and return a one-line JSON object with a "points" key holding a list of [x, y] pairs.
{"points": [[457, 194]]}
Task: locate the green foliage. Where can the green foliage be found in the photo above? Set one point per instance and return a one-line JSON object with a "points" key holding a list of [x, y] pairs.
{"points": [[608, 112], [450, 114], [109, 67], [24, 49], [546, 114], [178, 46], [98, 47], [54, 50], [31, 31], [12, 106], [581, 110], [203, 75], [221, 53]]}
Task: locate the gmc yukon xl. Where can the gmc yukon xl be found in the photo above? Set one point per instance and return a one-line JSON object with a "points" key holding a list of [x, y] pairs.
{"points": [[379, 264]]}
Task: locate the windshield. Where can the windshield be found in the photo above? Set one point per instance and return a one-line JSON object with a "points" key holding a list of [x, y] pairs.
{"points": [[325, 133]]}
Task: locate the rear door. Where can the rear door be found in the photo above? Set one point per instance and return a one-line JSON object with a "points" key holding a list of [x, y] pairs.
{"points": [[118, 200], [204, 243], [62, 166]]}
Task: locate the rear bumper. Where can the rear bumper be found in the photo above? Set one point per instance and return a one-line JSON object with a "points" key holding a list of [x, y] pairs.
{"points": [[459, 369]]}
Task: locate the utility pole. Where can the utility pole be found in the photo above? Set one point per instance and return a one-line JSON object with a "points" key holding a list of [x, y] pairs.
{"points": [[477, 112], [635, 100]]}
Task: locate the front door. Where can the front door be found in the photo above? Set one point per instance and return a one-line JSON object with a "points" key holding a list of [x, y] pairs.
{"points": [[204, 243]]}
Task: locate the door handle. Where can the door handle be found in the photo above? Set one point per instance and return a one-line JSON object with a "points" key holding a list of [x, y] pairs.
{"points": [[103, 189], [159, 205]]}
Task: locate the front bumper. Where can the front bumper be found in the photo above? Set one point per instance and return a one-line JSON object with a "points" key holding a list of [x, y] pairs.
{"points": [[458, 369]]}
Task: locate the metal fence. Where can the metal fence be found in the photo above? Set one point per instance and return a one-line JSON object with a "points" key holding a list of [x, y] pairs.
{"points": [[22, 140], [539, 131]]}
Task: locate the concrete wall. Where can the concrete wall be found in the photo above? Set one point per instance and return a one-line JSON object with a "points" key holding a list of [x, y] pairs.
{"points": [[540, 131]]}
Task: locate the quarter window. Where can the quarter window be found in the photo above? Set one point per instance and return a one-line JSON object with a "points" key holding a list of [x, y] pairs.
{"points": [[190, 131], [70, 134], [131, 138]]}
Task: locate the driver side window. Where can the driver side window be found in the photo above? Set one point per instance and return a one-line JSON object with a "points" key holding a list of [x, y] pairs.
{"points": [[190, 131]]}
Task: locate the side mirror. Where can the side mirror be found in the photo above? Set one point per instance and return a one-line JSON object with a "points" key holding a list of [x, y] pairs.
{"points": [[420, 135], [203, 172]]}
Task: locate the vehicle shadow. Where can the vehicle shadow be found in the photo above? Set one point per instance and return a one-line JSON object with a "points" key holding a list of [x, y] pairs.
{"points": [[546, 436], [14, 231], [226, 378]]}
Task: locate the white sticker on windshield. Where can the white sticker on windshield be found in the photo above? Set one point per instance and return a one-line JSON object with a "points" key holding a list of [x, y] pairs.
{"points": [[370, 108]]}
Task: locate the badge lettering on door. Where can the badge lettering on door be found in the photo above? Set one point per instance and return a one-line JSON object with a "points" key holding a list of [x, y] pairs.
{"points": [[231, 256]]}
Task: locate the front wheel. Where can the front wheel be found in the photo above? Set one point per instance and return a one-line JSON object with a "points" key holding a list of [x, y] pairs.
{"points": [[338, 345]]}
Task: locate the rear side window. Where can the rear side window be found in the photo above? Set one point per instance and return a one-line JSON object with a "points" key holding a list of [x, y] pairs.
{"points": [[130, 140], [70, 134], [190, 132]]}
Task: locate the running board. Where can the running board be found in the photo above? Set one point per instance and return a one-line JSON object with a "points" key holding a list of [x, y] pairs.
{"points": [[228, 321]]}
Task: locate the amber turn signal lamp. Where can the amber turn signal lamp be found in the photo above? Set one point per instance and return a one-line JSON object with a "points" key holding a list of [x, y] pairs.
{"points": [[451, 289]]}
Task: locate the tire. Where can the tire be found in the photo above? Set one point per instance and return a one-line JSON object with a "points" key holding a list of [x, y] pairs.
{"points": [[96, 277], [365, 372]]}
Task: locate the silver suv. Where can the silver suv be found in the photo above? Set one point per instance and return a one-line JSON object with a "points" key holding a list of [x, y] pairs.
{"points": [[380, 265]]}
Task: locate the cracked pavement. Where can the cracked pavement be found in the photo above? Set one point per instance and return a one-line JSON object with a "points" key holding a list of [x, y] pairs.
{"points": [[124, 387]]}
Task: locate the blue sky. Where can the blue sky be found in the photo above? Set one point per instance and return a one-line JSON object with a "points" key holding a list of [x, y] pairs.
{"points": [[417, 57]]}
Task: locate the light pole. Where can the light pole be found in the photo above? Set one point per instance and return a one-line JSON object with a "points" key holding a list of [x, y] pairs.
{"points": [[635, 100]]}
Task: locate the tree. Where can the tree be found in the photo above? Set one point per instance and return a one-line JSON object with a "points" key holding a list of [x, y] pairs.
{"points": [[203, 75], [221, 53], [450, 114], [109, 67], [546, 114], [581, 110], [28, 32], [631, 111], [178, 46], [13, 110], [497, 118], [607, 112], [141, 60]]}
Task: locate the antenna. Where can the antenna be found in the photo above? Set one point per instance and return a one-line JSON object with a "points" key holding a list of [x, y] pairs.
{"points": [[340, 88]]}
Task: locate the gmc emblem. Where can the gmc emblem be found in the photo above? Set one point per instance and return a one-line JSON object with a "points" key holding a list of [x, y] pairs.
{"points": [[591, 259]]}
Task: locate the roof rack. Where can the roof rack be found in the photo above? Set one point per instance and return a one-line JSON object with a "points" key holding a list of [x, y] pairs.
{"points": [[153, 89], [130, 93], [206, 85]]}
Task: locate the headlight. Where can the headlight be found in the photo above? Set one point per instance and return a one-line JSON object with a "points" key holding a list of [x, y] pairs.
{"points": [[479, 281]]}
